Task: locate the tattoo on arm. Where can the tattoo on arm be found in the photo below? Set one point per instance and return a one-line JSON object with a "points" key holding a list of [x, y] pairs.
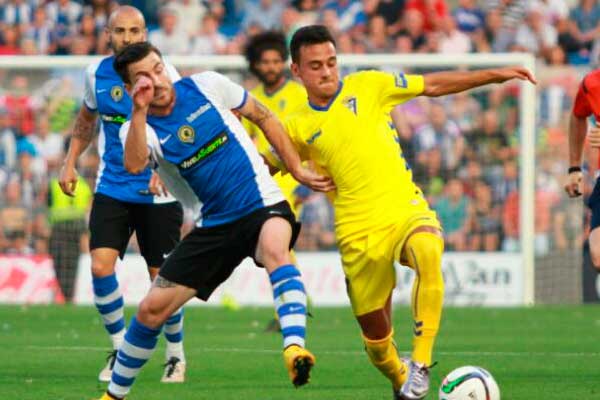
{"points": [[84, 128], [161, 282], [258, 113]]}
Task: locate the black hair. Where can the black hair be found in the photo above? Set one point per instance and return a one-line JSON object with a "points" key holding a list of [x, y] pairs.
{"points": [[258, 44], [311, 34], [131, 54]]}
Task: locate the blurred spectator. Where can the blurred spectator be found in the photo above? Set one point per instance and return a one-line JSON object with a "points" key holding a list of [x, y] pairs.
{"points": [[390, 10], [350, 14], [19, 104], [17, 12], [190, 14], [536, 36], [432, 12], [413, 31], [485, 229], [316, 216], [68, 237], [450, 39], [552, 10], [8, 143], [209, 40], [308, 12], [40, 32], [89, 32], [507, 183], [583, 29], [100, 10], [265, 14], [469, 17], [511, 14], [62, 105], [14, 219], [64, 15], [453, 211], [48, 144], [490, 144], [9, 45], [170, 38], [32, 175], [465, 111], [377, 38]]}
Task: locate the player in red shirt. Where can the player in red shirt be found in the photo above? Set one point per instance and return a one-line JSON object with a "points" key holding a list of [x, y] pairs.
{"points": [[587, 103]]}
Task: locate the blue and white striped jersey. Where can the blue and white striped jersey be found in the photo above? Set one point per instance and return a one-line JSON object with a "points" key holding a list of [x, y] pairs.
{"points": [[105, 94], [203, 154]]}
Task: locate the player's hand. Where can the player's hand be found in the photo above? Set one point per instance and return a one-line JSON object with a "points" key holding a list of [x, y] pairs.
{"points": [[142, 93], [156, 185], [67, 179], [316, 182], [522, 73], [574, 186], [593, 136]]}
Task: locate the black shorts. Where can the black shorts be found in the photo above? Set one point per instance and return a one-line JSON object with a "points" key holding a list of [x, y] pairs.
{"points": [[207, 256], [157, 227], [594, 205]]}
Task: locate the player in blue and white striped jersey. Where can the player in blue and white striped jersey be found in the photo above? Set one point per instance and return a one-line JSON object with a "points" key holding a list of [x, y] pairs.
{"points": [[206, 158], [123, 203]]}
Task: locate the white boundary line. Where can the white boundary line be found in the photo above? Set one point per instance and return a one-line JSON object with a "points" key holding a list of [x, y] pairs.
{"points": [[336, 353]]}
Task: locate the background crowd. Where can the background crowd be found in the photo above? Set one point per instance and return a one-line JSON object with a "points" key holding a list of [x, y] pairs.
{"points": [[463, 150]]}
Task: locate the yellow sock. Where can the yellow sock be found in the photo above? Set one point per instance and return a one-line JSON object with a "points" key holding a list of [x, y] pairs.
{"points": [[384, 357], [424, 253]]}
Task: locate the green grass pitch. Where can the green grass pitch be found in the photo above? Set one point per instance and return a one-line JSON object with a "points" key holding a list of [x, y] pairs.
{"points": [[544, 353]]}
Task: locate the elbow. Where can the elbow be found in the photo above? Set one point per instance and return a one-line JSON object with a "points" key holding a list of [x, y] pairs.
{"points": [[432, 90], [134, 168]]}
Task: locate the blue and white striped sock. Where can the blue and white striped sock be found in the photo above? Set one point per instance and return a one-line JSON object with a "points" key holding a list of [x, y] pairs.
{"points": [[140, 342], [290, 304], [174, 335], [109, 302]]}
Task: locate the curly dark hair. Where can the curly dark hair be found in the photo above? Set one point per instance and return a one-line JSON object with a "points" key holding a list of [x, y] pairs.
{"points": [[257, 44]]}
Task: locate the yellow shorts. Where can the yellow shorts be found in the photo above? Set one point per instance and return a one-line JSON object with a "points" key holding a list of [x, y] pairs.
{"points": [[368, 261]]}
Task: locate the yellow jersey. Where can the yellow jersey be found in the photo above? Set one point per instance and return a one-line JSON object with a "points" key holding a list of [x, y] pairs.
{"points": [[282, 102], [352, 140]]}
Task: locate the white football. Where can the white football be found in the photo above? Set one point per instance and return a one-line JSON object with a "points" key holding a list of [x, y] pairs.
{"points": [[469, 383]]}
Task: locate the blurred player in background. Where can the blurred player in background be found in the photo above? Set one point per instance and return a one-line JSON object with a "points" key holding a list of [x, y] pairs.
{"points": [[587, 103], [266, 54], [381, 215], [122, 203], [208, 161]]}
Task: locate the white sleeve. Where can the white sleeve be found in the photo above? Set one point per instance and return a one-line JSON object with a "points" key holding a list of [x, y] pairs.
{"points": [[220, 88], [151, 138], [172, 72], [89, 93]]}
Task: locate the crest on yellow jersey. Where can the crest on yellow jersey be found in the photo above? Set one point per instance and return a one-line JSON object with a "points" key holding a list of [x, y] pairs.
{"points": [[350, 103]]}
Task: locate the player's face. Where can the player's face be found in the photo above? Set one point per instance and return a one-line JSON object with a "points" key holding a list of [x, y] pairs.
{"points": [[318, 70], [270, 67], [126, 28], [152, 67]]}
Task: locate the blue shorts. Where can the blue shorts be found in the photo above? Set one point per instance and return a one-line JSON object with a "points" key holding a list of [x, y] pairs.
{"points": [[594, 205]]}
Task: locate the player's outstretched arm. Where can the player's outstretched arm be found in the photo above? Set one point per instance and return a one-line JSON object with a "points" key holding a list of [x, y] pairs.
{"points": [[135, 157], [275, 133], [81, 137], [449, 82]]}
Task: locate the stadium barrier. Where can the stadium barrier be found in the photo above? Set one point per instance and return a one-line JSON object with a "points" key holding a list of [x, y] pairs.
{"points": [[28, 280]]}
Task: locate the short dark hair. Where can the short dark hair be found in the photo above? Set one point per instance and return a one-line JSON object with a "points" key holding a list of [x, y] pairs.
{"points": [[311, 34], [131, 54], [258, 44]]}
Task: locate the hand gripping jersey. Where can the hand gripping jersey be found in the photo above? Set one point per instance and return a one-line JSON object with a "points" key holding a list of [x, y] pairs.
{"points": [[203, 154], [105, 94]]}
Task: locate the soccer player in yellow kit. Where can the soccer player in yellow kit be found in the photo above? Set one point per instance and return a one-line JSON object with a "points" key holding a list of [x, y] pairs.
{"points": [[266, 54], [381, 216]]}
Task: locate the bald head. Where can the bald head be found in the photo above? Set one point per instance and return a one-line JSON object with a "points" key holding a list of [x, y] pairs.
{"points": [[126, 25]]}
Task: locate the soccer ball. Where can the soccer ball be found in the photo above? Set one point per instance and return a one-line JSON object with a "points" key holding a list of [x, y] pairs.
{"points": [[469, 383]]}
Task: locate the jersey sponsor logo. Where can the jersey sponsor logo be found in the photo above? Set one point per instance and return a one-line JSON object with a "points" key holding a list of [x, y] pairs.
{"points": [[350, 103], [186, 134], [213, 145], [116, 93], [165, 139], [201, 110], [117, 119], [401, 81], [314, 137]]}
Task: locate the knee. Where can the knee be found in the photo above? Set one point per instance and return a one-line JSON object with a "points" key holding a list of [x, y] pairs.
{"points": [[101, 269], [425, 251], [595, 256], [274, 255], [151, 313]]}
